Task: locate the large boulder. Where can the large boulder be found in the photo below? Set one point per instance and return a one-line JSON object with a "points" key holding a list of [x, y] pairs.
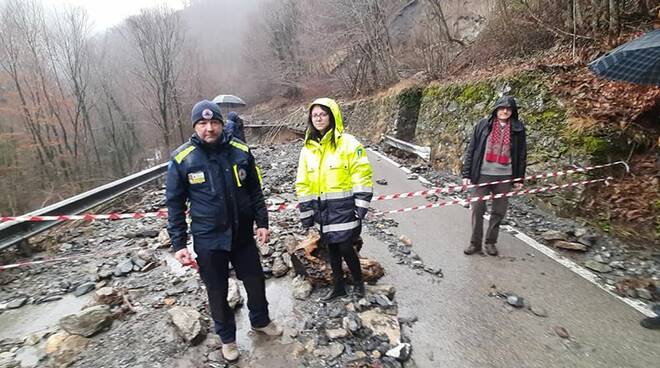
{"points": [[87, 322], [188, 323], [234, 297]]}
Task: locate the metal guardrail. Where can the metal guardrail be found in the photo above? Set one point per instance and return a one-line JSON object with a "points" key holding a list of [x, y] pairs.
{"points": [[277, 126], [423, 152], [12, 233]]}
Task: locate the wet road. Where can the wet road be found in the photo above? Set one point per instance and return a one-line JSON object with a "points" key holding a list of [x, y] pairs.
{"points": [[459, 325], [39, 317]]}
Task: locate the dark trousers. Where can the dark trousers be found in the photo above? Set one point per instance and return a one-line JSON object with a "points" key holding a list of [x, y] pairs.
{"points": [[498, 212], [345, 250], [214, 270]]}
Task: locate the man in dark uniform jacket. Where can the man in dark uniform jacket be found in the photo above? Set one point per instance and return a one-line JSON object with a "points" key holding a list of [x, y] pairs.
{"points": [[217, 175]]}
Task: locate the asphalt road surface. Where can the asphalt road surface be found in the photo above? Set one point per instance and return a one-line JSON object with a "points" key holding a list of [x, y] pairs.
{"points": [[460, 325]]}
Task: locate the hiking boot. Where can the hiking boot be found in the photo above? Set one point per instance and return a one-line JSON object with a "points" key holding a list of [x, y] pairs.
{"points": [[358, 290], [472, 249], [490, 249], [271, 329], [334, 294], [230, 351], [652, 323]]}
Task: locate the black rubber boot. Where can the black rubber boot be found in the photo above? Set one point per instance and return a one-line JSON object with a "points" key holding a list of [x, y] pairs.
{"points": [[358, 289], [338, 289]]}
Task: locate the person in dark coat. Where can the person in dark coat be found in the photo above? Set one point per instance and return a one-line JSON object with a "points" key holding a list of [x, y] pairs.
{"points": [[234, 126], [497, 151], [217, 175]]}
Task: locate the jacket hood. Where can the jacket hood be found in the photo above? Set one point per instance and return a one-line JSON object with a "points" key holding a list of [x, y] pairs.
{"points": [[232, 116], [505, 101], [334, 109]]}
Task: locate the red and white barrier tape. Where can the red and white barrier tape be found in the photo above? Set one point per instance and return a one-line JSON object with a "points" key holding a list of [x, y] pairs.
{"points": [[282, 207], [86, 217], [494, 196], [30, 263], [461, 188], [59, 259]]}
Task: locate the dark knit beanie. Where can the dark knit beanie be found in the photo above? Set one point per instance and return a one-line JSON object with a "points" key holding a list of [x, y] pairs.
{"points": [[205, 110]]}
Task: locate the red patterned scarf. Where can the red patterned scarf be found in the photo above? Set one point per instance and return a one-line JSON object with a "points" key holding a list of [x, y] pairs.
{"points": [[498, 145]]}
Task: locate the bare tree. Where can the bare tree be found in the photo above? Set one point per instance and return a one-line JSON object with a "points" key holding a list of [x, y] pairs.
{"points": [[438, 15], [19, 38], [73, 55], [157, 35]]}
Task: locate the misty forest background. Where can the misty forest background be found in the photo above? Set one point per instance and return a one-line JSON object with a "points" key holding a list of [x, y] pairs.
{"points": [[79, 109]]}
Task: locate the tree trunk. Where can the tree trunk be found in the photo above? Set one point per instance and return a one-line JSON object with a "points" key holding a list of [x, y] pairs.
{"points": [[596, 10], [643, 7], [614, 26], [579, 16], [568, 17]]}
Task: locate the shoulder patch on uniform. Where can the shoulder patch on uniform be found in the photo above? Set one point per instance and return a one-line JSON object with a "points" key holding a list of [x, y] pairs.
{"points": [[179, 157], [239, 145]]}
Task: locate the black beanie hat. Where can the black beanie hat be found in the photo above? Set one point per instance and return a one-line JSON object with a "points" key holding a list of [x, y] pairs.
{"points": [[205, 110]]}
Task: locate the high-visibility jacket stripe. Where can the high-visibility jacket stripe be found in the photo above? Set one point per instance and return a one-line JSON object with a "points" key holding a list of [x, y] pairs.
{"points": [[362, 189], [306, 214], [238, 180], [361, 203], [240, 146], [337, 195], [182, 155], [341, 227], [261, 180]]}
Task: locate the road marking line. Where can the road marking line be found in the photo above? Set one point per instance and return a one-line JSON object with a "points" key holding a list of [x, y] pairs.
{"points": [[384, 157], [575, 267], [550, 253]]}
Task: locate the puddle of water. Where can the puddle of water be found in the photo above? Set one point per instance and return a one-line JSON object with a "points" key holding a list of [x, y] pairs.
{"points": [[266, 351], [18, 323]]}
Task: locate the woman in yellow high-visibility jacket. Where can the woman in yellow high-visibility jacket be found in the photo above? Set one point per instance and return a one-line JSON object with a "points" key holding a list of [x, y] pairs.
{"points": [[334, 189]]}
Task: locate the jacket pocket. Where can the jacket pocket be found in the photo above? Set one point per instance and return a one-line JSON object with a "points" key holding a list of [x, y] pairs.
{"points": [[202, 225], [199, 178]]}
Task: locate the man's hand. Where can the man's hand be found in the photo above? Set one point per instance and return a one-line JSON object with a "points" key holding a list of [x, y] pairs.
{"points": [[517, 186], [183, 256], [466, 182], [262, 235]]}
